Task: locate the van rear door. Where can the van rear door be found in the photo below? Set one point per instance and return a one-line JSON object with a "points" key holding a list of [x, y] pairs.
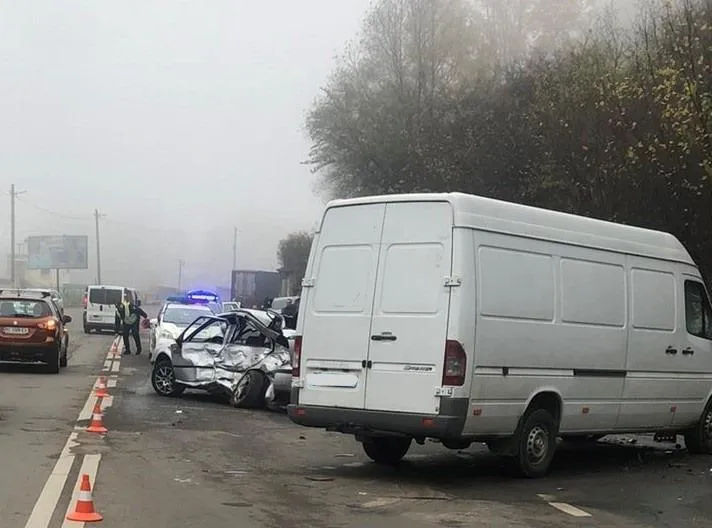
{"points": [[411, 308], [338, 306], [101, 304]]}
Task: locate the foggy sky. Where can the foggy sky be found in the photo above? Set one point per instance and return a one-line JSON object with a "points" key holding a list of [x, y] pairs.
{"points": [[176, 119]]}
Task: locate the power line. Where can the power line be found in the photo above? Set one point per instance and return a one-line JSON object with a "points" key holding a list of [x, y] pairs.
{"points": [[54, 213]]}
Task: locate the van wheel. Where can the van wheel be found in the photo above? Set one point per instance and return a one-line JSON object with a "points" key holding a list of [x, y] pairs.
{"points": [[699, 439], [388, 450], [250, 391], [536, 444]]}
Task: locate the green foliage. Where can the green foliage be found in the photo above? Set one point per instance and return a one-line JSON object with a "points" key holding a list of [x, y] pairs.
{"points": [[524, 104]]}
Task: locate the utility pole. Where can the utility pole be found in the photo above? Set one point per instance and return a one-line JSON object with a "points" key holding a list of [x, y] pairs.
{"points": [[98, 246], [180, 273], [234, 249], [13, 194]]}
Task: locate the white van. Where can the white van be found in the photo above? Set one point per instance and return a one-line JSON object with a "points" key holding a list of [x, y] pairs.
{"points": [[468, 319], [100, 312]]}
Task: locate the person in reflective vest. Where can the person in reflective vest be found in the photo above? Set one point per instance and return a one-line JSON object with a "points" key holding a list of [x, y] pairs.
{"points": [[126, 323]]}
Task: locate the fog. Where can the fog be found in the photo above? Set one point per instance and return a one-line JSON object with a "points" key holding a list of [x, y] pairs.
{"points": [[177, 120]]}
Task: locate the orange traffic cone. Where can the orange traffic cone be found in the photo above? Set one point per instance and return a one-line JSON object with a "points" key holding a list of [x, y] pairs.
{"points": [[96, 425], [84, 510], [101, 391]]}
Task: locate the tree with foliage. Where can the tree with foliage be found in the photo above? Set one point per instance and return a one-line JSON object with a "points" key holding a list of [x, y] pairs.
{"points": [[529, 102], [293, 254]]}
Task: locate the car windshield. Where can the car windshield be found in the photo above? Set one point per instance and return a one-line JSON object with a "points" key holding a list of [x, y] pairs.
{"points": [[24, 308], [184, 315]]}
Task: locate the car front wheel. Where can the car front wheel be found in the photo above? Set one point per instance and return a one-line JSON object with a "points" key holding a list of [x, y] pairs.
{"points": [[163, 379]]}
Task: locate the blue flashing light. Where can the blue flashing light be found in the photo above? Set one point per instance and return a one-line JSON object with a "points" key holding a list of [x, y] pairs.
{"points": [[202, 295]]}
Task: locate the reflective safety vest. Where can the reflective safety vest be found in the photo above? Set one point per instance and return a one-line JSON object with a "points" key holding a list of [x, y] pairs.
{"points": [[129, 318]]}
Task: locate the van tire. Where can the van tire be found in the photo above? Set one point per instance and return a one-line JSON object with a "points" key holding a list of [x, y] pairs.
{"points": [[698, 440], [536, 443], [386, 450]]}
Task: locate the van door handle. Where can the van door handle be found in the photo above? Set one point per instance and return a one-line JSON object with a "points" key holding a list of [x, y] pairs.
{"points": [[383, 337], [688, 351], [671, 350]]}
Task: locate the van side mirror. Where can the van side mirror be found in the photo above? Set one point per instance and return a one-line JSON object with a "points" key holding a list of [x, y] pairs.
{"points": [[138, 303]]}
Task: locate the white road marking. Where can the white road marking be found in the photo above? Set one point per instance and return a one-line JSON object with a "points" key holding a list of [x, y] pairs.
{"points": [[571, 510], [115, 367], [85, 413], [563, 506], [107, 364], [52, 491], [90, 466], [47, 501]]}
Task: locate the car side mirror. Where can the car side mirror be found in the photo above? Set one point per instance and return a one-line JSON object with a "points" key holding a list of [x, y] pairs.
{"points": [[138, 303], [66, 319]]}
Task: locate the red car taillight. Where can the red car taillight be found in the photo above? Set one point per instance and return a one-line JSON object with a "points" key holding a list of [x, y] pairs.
{"points": [[296, 363], [455, 364], [50, 325]]}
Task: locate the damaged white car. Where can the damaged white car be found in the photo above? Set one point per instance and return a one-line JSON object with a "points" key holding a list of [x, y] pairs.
{"points": [[241, 355]]}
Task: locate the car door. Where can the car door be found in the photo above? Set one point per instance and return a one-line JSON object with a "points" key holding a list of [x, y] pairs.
{"points": [[196, 350], [153, 332]]}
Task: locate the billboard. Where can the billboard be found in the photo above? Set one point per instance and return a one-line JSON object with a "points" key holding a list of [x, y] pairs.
{"points": [[57, 252]]}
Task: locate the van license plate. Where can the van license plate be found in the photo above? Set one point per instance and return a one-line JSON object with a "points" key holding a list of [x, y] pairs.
{"points": [[13, 330]]}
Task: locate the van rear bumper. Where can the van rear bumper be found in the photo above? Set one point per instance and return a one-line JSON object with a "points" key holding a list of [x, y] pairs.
{"points": [[449, 423]]}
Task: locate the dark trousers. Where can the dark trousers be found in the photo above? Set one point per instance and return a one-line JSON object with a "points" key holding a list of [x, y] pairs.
{"points": [[131, 330]]}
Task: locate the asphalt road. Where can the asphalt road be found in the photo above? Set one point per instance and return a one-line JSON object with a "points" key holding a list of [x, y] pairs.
{"points": [[195, 461]]}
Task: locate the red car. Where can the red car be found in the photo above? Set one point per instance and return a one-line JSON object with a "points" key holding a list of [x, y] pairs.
{"points": [[32, 330]]}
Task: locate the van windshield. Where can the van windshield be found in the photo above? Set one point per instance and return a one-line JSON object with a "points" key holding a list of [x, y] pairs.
{"points": [[105, 296]]}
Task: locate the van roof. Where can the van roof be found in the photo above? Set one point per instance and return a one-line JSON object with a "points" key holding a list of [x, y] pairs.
{"points": [[487, 214], [97, 286]]}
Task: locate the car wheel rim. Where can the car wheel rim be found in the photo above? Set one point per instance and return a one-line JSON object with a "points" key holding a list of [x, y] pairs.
{"points": [[537, 444], [164, 378]]}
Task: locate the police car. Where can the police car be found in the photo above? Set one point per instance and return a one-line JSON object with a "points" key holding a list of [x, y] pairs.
{"points": [[177, 313]]}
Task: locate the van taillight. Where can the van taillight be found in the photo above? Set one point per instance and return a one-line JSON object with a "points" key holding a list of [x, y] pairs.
{"points": [[84, 301], [296, 371], [455, 364]]}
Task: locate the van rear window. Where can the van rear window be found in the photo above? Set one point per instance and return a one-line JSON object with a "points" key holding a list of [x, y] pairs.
{"points": [[105, 296]]}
